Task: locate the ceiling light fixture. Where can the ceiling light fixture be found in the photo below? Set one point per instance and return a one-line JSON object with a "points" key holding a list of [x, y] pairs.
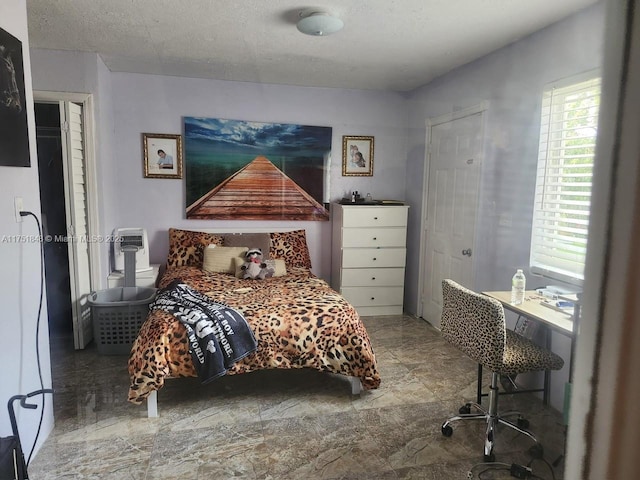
{"points": [[319, 24]]}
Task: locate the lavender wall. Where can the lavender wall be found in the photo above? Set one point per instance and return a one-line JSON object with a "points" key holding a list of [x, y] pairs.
{"points": [[128, 105], [511, 80], [20, 260], [156, 104]]}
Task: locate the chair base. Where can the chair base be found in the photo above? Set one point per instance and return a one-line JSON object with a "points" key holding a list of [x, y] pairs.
{"points": [[545, 389], [493, 419]]}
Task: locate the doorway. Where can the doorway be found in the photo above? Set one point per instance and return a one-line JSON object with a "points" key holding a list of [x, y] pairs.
{"points": [[452, 170], [66, 189], [54, 219]]}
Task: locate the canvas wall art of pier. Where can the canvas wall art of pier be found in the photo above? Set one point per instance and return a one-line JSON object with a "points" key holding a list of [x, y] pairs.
{"points": [[239, 170]]}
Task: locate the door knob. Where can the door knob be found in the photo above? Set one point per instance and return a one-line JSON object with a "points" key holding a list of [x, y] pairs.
{"points": [[467, 252]]}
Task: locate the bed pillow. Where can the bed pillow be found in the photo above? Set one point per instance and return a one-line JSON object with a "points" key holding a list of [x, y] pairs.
{"points": [[186, 248], [219, 259], [252, 240], [291, 247], [278, 265]]}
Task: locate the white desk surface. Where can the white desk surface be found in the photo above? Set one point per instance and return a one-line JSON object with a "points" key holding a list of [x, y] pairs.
{"points": [[532, 308]]}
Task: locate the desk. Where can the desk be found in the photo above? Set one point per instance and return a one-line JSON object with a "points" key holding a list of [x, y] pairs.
{"points": [[560, 322], [531, 308]]}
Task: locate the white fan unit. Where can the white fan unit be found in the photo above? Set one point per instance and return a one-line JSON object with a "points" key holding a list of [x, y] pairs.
{"points": [[131, 238]]}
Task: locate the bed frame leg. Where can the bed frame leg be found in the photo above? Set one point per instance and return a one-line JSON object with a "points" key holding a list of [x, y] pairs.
{"points": [[152, 404], [356, 385]]}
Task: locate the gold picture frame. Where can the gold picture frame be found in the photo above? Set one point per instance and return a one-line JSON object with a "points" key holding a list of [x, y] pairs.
{"points": [[162, 155], [357, 156]]}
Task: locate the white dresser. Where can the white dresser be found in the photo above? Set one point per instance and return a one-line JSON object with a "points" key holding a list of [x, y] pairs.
{"points": [[368, 256]]}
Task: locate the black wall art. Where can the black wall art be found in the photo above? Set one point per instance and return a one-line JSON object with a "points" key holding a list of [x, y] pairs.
{"points": [[14, 133]]}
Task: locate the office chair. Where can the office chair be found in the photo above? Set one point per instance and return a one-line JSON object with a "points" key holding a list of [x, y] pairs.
{"points": [[475, 324]]}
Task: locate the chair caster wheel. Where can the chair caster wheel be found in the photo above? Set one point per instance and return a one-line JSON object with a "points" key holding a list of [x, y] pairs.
{"points": [[490, 458], [536, 451], [465, 409], [447, 431], [523, 423]]}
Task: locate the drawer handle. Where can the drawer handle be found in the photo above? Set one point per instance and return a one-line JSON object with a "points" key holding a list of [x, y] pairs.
{"points": [[375, 238], [373, 298], [373, 278], [374, 259]]}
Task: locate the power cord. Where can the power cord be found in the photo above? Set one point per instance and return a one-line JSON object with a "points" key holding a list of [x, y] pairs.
{"points": [[520, 471], [488, 467], [516, 470], [553, 475], [35, 441]]}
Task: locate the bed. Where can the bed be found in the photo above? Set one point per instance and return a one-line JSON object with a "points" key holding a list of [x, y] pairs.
{"points": [[296, 318]]}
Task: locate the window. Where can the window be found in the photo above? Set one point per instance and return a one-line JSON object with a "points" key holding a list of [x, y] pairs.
{"points": [[568, 129]]}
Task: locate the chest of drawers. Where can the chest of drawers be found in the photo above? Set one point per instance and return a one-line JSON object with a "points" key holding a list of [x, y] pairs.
{"points": [[368, 256]]}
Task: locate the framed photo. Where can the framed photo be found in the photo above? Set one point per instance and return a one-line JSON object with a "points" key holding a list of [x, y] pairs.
{"points": [[357, 156], [162, 155]]}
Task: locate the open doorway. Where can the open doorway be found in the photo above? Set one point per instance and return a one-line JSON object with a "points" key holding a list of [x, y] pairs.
{"points": [[67, 190], [54, 220]]}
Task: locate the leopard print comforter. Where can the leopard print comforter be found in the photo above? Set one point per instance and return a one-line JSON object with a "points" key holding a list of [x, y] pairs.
{"points": [[297, 319]]}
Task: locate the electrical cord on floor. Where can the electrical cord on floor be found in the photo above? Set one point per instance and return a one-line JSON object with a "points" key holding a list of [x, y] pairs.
{"points": [[516, 470], [35, 441], [488, 467], [553, 475]]}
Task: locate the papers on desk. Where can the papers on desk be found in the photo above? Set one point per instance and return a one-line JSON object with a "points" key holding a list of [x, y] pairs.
{"points": [[559, 306], [553, 292]]}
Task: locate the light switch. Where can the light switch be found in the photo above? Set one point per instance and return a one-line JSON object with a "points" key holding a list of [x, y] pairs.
{"points": [[17, 203]]}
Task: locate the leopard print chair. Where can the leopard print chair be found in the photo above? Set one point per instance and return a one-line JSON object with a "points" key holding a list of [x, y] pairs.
{"points": [[475, 324]]}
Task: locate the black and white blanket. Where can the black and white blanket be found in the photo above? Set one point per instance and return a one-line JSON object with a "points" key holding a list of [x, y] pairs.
{"points": [[218, 335]]}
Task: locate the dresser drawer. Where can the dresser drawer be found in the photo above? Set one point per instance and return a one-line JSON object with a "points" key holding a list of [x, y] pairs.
{"points": [[374, 237], [373, 257], [373, 296], [372, 277], [375, 216], [380, 310]]}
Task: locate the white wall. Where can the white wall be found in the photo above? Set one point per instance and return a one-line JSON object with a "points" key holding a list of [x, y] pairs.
{"points": [[20, 279], [511, 80]]}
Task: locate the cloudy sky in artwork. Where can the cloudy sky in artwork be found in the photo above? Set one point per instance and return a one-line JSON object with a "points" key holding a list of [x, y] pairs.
{"points": [[227, 135]]}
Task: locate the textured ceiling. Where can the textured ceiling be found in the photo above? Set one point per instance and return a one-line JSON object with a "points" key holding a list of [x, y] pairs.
{"points": [[385, 44]]}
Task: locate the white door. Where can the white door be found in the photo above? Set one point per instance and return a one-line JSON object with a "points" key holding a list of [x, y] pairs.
{"points": [[455, 148], [77, 230]]}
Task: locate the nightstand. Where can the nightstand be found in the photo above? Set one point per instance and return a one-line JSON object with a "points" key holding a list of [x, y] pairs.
{"points": [[146, 278]]}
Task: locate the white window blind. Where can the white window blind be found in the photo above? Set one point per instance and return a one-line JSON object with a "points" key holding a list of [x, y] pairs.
{"points": [[568, 129]]}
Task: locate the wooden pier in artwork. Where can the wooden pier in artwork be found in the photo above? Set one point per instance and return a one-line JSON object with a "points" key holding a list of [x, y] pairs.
{"points": [[259, 191]]}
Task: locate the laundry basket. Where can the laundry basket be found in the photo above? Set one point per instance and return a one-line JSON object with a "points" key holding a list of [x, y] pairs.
{"points": [[118, 314]]}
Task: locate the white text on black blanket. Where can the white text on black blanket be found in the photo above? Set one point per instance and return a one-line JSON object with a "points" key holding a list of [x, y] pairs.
{"points": [[214, 330]]}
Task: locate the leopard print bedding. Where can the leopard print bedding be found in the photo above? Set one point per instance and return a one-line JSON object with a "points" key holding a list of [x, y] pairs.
{"points": [[186, 248], [292, 247], [298, 320]]}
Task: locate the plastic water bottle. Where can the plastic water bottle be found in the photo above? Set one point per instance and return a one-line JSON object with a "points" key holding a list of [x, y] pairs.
{"points": [[518, 283]]}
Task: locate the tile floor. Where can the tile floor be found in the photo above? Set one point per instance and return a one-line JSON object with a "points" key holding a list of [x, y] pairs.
{"points": [[287, 425]]}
